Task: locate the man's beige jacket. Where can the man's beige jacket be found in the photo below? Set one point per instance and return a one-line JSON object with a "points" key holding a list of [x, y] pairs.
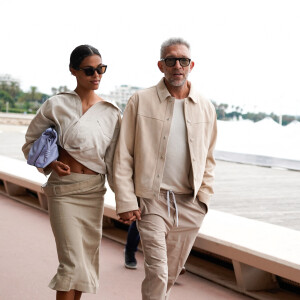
{"points": [[141, 149]]}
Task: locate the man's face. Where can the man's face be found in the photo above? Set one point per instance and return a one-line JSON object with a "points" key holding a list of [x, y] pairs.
{"points": [[177, 75]]}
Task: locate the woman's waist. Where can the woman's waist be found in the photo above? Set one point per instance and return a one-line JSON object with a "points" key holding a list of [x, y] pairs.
{"points": [[75, 166], [75, 183]]}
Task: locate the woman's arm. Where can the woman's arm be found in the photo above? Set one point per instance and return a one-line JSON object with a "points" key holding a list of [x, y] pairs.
{"points": [[37, 126]]}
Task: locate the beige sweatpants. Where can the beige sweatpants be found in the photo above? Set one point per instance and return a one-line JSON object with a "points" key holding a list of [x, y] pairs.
{"points": [[166, 246]]}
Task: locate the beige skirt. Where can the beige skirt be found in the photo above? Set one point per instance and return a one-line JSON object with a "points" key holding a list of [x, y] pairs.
{"points": [[76, 204]]}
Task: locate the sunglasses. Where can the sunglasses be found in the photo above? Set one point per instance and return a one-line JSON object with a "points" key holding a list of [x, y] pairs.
{"points": [[90, 71], [171, 61]]}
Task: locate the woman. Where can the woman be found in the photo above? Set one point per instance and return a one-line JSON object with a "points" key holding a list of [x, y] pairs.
{"points": [[87, 128]]}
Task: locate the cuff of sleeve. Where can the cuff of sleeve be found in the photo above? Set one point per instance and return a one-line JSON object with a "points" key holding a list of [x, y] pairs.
{"points": [[126, 207], [203, 197]]}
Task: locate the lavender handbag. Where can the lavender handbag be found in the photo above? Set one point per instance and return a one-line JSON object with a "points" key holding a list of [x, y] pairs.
{"points": [[44, 150]]}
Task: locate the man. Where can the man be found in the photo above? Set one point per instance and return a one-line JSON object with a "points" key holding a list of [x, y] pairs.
{"points": [[164, 157]]}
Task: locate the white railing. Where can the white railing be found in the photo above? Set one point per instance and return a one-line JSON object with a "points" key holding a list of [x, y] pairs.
{"points": [[258, 160]]}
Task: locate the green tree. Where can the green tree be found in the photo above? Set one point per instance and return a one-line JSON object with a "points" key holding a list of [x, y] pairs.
{"points": [[33, 91], [60, 89], [221, 110], [63, 89], [254, 116], [14, 89], [5, 96], [4, 86], [287, 119]]}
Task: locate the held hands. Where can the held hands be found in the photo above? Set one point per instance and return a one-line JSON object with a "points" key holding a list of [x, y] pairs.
{"points": [[130, 216], [60, 168]]}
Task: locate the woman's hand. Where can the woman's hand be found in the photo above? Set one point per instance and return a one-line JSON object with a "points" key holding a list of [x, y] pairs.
{"points": [[60, 168], [130, 216]]}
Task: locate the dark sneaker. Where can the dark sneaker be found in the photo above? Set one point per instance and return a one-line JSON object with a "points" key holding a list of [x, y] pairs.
{"points": [[130, 261], [183, 270]]}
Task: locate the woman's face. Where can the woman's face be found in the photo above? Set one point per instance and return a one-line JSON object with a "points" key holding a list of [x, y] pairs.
{"points": [[88, 82]]}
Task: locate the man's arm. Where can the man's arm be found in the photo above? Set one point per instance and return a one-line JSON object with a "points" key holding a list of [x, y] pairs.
{"points": [[206, 189], [123, 168]]}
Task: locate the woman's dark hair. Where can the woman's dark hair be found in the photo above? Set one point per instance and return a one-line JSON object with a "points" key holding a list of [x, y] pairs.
{"points": [[80, 53]]}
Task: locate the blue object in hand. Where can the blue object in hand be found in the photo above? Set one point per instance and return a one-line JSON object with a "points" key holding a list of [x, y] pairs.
{"points": [[44, 150]]}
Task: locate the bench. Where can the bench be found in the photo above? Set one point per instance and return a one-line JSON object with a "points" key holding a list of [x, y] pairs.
{"points": [[258, 252]]}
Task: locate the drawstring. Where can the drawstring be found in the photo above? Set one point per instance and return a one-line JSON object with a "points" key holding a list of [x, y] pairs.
{"points": [[175, 204]]}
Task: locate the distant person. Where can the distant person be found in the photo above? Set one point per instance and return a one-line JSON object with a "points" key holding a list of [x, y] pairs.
{"points": [[87, 128], [164, 158], [131, 247]]}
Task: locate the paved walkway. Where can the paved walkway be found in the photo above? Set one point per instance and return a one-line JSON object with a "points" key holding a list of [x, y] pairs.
{"points": [[28, 261]]}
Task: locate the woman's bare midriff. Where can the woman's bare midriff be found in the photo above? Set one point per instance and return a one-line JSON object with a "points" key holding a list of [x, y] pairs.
{"points": [[75, 166]]}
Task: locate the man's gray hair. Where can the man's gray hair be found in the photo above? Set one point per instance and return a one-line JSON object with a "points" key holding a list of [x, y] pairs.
{"points": [[171, 42]]}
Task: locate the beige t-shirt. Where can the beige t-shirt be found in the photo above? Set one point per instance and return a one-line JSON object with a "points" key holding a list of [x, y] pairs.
{"points": [[178, 162]]}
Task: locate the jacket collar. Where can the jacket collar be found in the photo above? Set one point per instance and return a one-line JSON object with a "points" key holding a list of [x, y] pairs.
{"points": [[163, 92], [107, 101], [68, 93]]}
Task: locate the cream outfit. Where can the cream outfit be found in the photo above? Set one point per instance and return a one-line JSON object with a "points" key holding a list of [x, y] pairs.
{"points": [[76, 201], [141, 153], [76, 204], [90, 138], [145, 159], [177, 170], [166, 246]]}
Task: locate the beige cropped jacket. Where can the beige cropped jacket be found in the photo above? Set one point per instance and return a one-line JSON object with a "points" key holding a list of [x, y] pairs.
{"points": [[90, 138]]}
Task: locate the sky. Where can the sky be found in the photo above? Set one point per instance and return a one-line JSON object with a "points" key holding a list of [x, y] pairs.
{"points": [[246, 53]]}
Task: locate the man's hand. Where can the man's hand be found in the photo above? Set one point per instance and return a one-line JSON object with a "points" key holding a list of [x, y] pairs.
{"points": [[60, 168], [130, 216]]}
